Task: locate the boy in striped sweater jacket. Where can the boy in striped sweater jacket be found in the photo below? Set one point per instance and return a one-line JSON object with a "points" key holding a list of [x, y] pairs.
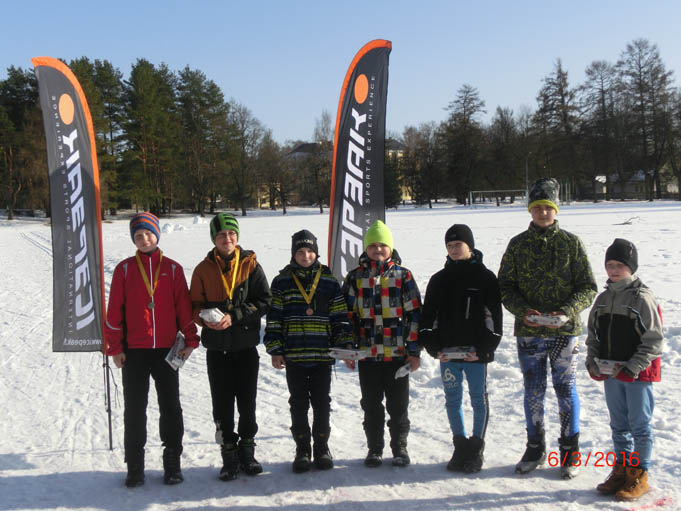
{"points": [[308, 315]]}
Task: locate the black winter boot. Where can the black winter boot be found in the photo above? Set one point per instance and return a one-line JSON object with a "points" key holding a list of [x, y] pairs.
{"points": [[322, 456], [569, 456], [172, 473], [474, 456], [398, 444], [373, 459], [302, 462], [375, 442], [535, 454], [247, 460], [135, 475], [230, 462], [456, 464]]}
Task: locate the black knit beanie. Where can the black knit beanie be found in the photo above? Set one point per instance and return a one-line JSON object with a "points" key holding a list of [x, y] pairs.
{"points": [[460, 232], [623, 251], [303, 239]]}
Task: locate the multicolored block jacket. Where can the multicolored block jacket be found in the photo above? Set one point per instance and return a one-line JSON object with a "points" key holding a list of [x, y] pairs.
{"points": [[384, 305]]}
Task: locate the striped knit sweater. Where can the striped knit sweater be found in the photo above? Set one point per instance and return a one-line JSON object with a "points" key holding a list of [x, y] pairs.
{"points": [[291, 332]]}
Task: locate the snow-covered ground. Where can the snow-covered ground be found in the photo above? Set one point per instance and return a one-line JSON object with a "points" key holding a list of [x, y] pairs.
{"points": [[53, 433]]}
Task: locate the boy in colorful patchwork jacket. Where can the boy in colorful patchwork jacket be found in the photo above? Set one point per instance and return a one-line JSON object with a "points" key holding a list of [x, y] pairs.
{"points": [[231, 279], [384, 304], [625, 325], [462, 307], [148, 304], [308, 315], [545, 276]]}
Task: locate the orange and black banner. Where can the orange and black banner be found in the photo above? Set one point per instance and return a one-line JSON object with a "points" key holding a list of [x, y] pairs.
{"points": [[78, 289], [358, 156]]}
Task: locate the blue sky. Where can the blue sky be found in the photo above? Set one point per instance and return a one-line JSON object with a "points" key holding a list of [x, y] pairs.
{"points": [[286, 60]]}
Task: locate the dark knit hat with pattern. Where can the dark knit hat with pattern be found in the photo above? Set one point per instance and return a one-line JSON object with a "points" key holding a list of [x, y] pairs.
{"points": [[223, 222], [145, 220], [544, 192], [304, 239], [460, 232], [623, 251]]}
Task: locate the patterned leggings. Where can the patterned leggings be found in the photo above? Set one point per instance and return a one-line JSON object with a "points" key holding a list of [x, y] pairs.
{"points": [[561, 351]]}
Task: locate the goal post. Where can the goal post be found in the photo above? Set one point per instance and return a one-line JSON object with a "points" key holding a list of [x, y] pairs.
{"points": [[497, 196]]}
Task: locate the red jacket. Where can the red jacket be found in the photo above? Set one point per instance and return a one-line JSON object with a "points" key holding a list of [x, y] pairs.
{"points": [[128, 316]]}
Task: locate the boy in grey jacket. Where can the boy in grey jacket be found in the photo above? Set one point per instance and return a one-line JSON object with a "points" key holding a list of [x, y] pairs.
{"points": [[625, 327]]}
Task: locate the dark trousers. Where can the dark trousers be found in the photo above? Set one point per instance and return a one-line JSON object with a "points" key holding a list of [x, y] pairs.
{"points": [[233, 376], [309, 386], [377, 379], [139, 365]]}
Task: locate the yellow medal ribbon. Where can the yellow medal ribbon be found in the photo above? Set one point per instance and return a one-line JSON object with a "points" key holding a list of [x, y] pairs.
{"points": [[308, 296], [150, 290], [228, 289]]}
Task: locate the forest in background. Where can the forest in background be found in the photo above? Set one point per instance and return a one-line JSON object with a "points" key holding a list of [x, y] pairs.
{"points": [[169, 140]]}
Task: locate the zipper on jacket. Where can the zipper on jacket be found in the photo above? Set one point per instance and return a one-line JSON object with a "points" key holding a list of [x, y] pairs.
{"points": [[153, 309], [612, 308], [468, 306]]}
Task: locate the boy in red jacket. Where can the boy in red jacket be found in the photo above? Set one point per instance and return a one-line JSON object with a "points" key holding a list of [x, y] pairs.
{"points": [[148, 303]]}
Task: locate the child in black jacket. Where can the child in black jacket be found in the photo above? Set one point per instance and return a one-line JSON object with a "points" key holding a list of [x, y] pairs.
{"points": [[462, 308]]}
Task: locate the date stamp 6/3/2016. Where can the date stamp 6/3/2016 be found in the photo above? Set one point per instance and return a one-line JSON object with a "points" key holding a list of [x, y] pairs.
{"points": [[596, 459]]}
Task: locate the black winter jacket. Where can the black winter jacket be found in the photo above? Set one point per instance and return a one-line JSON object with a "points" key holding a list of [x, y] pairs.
{"points": [[462, 308]]}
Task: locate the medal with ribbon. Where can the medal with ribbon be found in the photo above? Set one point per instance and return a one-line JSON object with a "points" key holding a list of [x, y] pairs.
{"points": [[308, 296], [150, 290], [229, 289]]}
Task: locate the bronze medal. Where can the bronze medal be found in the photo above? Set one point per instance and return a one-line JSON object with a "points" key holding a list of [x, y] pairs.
{"points": [[150, 305], [309, 311]]}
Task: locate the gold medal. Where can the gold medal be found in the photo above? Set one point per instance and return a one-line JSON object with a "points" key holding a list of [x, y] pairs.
{"points": [[150, 305], [308, 296]]}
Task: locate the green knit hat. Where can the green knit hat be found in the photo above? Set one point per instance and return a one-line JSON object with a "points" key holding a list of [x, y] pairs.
{"points": [[378, 233], [223, 222]]}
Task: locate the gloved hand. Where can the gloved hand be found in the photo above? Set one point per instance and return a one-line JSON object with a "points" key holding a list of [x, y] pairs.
{"points": [[594, 371]]}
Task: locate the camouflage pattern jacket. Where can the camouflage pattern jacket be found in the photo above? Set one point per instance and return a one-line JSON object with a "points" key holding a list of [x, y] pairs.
{"points": [[547, 270]]}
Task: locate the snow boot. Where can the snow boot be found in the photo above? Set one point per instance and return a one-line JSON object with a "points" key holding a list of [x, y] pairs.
{"points": [[375, 442], [534, 456], [398, 445], [456, 464], [474, 455], [322, 456], [172, 473], [302, 463], [135, 476], [614, 482], [230, 462], [635, 485], [373, 459], [247, 460], [569, 456]]}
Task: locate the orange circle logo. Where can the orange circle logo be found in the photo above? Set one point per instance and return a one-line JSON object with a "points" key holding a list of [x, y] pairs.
{"points": [[361, 89], [66, 109]]}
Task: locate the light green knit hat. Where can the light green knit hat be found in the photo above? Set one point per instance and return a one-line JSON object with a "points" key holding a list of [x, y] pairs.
{"points": [[378, 233]]}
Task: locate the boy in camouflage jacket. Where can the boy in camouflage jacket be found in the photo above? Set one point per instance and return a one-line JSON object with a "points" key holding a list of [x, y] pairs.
{"points": [[545, 272]]}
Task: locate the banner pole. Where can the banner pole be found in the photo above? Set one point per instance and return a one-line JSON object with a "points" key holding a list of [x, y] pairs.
{"points": [[107, 398]]}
